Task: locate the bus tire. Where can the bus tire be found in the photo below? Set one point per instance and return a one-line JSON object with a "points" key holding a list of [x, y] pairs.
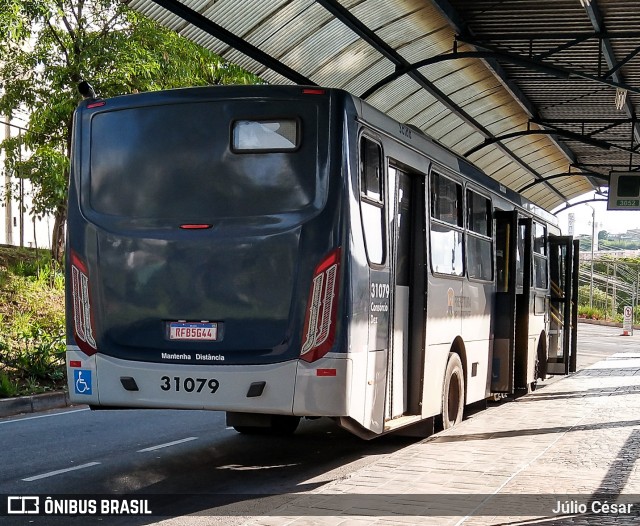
{"points": [[541, 358], [453, 392]]}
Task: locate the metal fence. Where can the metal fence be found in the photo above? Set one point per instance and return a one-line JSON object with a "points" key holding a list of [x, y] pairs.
{"points": [[607, 285]]}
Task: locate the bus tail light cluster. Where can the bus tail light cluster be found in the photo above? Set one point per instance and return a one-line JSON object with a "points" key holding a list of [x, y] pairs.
{"points": [[82, 319], [322, 308]]}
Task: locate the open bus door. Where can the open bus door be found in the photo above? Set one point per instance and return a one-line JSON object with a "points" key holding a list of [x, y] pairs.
{"points": [[405, 363], [563, 305], [504, 315]]}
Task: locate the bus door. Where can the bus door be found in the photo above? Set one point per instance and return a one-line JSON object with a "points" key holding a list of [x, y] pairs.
{"points": [[510, 309], [407, 257], [561, 351], [523, 304]]}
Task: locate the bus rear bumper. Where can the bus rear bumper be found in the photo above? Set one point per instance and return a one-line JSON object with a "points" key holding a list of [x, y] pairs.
{"points": [[295, 387], [127, 384]]}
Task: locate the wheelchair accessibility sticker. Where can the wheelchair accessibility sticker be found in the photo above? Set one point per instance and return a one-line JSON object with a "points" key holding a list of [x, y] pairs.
{"points": [[82, 381]]}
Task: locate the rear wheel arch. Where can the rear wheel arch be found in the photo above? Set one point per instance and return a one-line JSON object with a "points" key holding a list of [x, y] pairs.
{"points": [[458, 347], [453, 388]]}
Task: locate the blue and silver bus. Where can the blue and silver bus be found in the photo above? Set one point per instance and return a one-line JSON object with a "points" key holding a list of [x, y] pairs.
{"points": [[278, 252]]}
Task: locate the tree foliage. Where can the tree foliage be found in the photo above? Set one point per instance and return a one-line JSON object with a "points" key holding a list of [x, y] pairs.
{"points": [[49, 46]]}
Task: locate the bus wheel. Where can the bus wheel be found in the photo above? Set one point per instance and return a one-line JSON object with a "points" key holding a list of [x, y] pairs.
{"points": [[453, 393]]}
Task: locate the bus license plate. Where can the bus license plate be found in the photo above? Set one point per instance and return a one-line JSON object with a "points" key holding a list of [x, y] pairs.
{"points": [[194, 331]]}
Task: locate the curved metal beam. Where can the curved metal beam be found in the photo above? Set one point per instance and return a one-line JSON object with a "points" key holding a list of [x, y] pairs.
{"points": [[597, 22], [507, 57], [570, 135], [558, 176], [459, 25], [215, 30], [592, 200], [400, 71]]}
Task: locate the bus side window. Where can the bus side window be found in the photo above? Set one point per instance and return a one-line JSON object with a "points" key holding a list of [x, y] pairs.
{"points": [[479, 247], [446, 235], [540, 255], [372, 200], [522, 232]]}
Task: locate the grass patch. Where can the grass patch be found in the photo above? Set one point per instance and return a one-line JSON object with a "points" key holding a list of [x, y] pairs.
{"points": [[32, 339]]}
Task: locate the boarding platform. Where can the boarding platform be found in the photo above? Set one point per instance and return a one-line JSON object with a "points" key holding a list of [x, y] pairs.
{"points": [[566, 453]]}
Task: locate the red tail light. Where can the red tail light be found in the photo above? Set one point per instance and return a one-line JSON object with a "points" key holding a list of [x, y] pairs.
{"points": [[82, 318], [96, 104], [322, 308], [313, 91]]}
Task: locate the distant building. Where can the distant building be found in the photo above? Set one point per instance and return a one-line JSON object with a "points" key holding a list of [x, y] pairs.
{"points": [[17, 225]]}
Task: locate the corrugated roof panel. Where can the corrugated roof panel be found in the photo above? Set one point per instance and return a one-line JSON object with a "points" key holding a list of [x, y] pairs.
{"points": [[282, 23], [433, 110], [506, 174], [453, 83], [539, 194], [152, 10], [378, 14], [339, 71], [306, 37], [416, 25], [414, 35], [283, 38], [447, 124], [431, 115], [484, 102], [392, 94], [457, 135], [528, 145], [408, 108], [466, 140], [225, 13], [363, 80], [319, 47]]}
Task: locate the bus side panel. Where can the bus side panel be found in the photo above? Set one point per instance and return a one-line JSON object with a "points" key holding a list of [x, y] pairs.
{"points": [[368, 331], [537, 326], [476, 334], [435, 364], [443, 327], [478, 376]]}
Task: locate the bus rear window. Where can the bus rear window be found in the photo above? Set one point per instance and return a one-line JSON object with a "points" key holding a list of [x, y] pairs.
{"points": [[176, 162], [268, 135]]}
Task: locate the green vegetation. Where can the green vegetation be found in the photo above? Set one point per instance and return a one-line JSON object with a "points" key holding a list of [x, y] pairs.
{"points": [[32, 338], [615, 285], [49, 46], [610, 242]]}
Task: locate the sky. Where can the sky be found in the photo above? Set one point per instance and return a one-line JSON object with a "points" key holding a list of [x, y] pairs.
{"points": [[613, 221]]}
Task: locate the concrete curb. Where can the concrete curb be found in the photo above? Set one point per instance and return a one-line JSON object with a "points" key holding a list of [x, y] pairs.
{"points": [[604, 323], [33, 403]]}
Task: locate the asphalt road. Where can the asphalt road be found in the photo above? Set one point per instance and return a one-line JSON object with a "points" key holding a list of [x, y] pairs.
{"points": [[177, 453], [192, 457]]}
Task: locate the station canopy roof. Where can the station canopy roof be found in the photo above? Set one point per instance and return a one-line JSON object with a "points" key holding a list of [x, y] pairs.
{"points": [[539, 94]]}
